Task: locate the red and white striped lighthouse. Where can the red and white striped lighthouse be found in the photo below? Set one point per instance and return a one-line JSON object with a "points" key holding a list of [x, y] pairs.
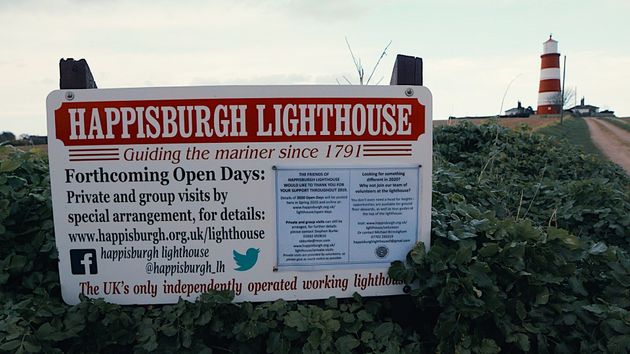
{"points": [[549, 93]]}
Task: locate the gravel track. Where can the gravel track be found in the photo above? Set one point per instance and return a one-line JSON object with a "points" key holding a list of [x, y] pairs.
{"points": [[611, 140]]}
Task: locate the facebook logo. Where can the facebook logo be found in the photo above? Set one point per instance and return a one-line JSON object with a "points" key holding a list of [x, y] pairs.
{"points": [[83, 261]]}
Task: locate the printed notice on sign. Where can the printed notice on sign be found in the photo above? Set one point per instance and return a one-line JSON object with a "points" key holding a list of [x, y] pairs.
{"points": [[345, 217], [269, 192]]}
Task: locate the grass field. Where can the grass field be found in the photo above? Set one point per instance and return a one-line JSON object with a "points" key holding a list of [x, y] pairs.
{"points": [[623, 123], [575, 131]]}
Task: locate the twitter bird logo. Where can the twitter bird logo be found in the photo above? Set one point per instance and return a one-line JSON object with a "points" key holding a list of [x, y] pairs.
{"points": [[246, 261]]}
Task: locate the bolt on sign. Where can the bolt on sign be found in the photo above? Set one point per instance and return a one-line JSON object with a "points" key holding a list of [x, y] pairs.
{"points": [[292, 192]]}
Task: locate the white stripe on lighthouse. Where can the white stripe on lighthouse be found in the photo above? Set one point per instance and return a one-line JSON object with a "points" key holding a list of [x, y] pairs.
{"points": [[545, 98], [550, 73]]}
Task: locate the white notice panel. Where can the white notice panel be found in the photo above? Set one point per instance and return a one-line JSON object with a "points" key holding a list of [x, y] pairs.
{"points": [[346, 217], [293, 192]]}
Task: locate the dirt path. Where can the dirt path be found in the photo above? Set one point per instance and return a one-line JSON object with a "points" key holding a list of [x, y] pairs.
{"points": [[612, 141]]}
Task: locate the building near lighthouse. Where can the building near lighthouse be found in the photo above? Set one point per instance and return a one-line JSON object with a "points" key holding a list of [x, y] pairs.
{"points": [[519, 111], [549, 91], [585, 110]]}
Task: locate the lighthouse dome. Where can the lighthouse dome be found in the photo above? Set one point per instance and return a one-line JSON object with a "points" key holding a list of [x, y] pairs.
{"points": [[550, 46]]}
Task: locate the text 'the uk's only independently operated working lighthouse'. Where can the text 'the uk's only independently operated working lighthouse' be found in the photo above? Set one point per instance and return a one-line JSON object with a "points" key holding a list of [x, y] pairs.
{"points": [[549, 95]]}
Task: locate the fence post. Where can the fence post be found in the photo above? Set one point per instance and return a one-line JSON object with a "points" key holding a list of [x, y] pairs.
{"points": [[75, 74], [407, 71]]}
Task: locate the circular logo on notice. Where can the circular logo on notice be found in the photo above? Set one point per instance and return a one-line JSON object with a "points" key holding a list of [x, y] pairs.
{"points": [[381, 251]]}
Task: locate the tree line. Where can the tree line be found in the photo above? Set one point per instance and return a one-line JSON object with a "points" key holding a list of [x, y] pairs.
{"points": [[8, 138]]}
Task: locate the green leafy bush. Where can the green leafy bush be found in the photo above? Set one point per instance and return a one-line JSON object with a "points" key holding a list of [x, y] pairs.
{"points": [[519, 175], [529, 254]]}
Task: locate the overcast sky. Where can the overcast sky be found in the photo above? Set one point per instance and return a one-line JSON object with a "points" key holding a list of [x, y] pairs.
{"points": [[472, 49]]}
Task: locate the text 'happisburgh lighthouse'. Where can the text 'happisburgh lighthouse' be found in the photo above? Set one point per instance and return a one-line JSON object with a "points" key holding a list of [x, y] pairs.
{"points": [[549, 93]]}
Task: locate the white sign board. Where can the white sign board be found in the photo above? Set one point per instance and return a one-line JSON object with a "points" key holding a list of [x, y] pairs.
{"points": [[293, 192]]}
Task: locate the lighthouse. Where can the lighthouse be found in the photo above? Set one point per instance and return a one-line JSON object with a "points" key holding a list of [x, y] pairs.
{"points": [[549, 94]]}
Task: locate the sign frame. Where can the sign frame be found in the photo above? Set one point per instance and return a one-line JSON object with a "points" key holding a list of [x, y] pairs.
{"points": [[421, 155]]}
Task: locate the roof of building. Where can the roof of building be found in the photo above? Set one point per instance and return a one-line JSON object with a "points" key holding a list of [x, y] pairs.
{"points": [[583, 106]]}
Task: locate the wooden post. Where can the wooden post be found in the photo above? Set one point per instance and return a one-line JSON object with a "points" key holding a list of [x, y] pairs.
{"points": [[407, 71], [75, 74]]}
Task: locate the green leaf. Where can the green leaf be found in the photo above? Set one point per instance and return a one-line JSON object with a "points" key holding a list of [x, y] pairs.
{"points": [[542, 297], [31, 347], [17, 262], [187, 338], [489, 249], [315, 338], [525, 230], [296, 320], [383, 330], [366, 336], [364, 316], [621, 327], [480, 272], [521, 339], [577, 286], [398, 271], [346, 343], [480, 224], [347, 317], [463, 255], [47, 332], [446, 325], [332, 325], [10, 346], [597, 309], [569, 319], [332, 302], [10, 165], [489, 346], [169, 330], [619, 344], [278, 344], [569, 240]]}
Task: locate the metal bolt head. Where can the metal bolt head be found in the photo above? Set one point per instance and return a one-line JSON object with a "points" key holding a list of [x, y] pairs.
{"points": [[409, 92], [69, 95]]}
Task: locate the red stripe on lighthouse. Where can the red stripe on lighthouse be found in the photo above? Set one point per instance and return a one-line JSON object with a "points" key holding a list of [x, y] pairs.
{"points": [[550, 85], [550, 61], [548, 109]]}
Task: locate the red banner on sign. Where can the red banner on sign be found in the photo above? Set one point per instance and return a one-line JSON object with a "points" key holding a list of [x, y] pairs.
{"points": [[231, 120]]}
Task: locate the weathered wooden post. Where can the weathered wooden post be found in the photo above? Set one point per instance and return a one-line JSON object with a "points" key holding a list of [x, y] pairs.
{"points": [[75, 74], [407, 71]]}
